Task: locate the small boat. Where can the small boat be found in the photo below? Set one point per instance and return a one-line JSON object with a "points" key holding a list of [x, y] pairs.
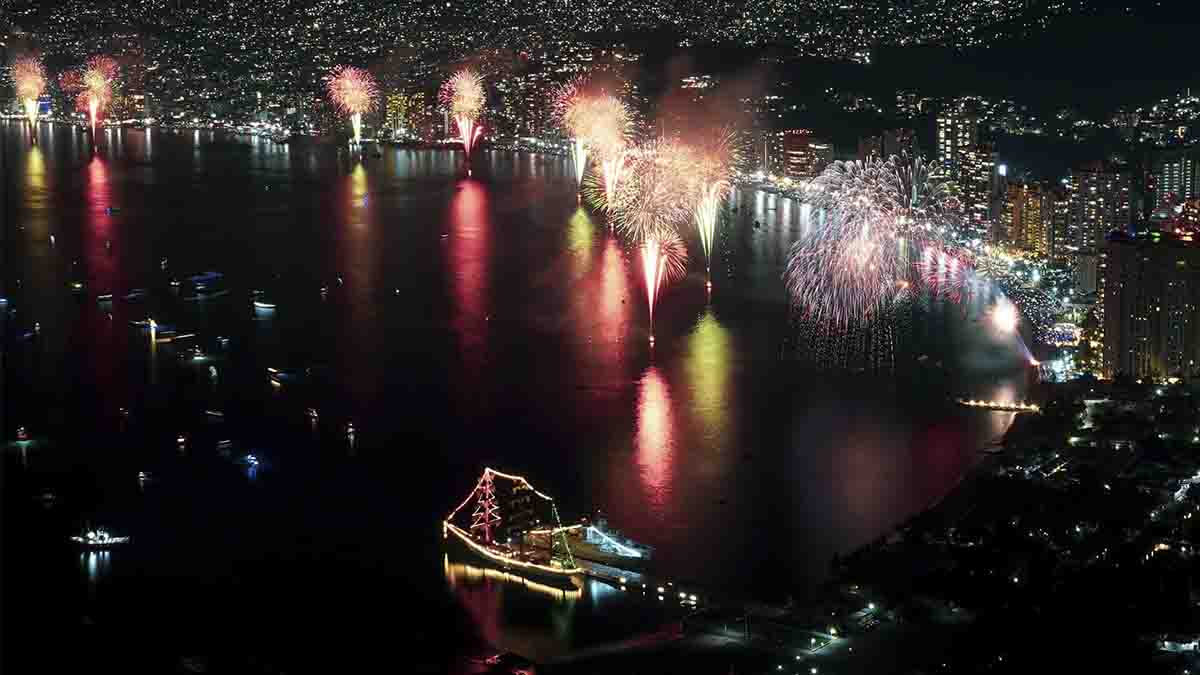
{"points": [[161, 330], [261, 302], [77, 287], [135, 294], [207, 285], [98, 538], [279, 376], [193, 354]]}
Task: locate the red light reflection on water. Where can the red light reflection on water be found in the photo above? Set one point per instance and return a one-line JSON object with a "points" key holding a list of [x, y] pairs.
{"points": [[100, 269], [614, 288], [470, 232], [655, 438], [99, 229], [479, 596]]}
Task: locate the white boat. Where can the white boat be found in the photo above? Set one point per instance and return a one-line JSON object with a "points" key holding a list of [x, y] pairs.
{"points": [[99, 538]]}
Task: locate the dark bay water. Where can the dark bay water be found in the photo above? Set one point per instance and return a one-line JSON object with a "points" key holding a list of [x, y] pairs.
{"points": [[466, 322]]}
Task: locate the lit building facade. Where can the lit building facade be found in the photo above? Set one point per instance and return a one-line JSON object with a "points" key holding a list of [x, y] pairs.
{"points": [[804, 157], [892, 142], [1150, 321], [1174, 176], [1098, 203], [759, 145], [1024, 222], [976, 186], [957, 135]]}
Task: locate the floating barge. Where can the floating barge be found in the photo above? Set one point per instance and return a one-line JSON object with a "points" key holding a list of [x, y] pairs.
{"points": [[1002, 406]]}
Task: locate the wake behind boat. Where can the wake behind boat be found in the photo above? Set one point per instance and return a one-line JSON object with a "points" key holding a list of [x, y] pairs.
{"points": [[506, 507]]}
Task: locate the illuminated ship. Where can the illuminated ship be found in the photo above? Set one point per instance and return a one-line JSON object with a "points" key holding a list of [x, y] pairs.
{"points": [[594, 541], [98, 538], [506, 508]]}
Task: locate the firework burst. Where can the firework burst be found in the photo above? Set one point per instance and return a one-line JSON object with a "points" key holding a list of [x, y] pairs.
{"points": [[29, 76], [570, 104], [664, 259], [648, 206], [876, 219], [92, 85], [354, 92], [463, 94], [651, 201], [710, 184], [604, 123]]}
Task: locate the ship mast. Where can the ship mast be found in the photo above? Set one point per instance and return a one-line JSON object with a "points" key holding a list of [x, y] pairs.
{"points": [[487, 511]]}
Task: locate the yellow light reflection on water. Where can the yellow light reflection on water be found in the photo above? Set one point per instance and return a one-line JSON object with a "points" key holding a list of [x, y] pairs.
{"points": [[358, 183], [707, 364], [35, 173], [579, 240], [458, 574]]}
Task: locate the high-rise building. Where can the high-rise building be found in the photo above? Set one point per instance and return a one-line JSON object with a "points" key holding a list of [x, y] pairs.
{"points": [[976, 186], [910, 104], [1098, 203], [891, 142], [1057, 212], [1086, 274], [804, 157], [957, 134], [1151, 286], [1024, 223], [1174, 176], [759, 146]]}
